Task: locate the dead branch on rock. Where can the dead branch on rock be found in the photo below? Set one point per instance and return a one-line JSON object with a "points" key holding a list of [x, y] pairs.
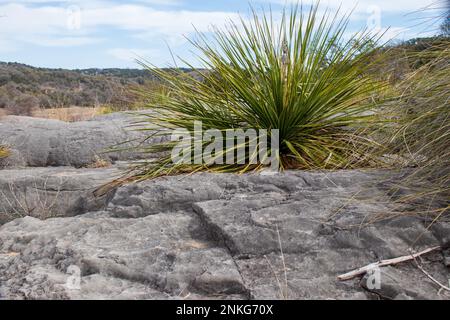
{"points": [[383, 263]]}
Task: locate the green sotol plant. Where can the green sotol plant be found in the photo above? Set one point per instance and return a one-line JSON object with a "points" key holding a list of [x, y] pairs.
{"points": [[301, 74]]}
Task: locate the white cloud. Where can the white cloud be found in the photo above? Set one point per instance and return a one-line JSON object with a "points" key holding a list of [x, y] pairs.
{"points": [[131, 55], [147, 23], [7, 46], [96, 2], [52, 24], [63, 41], [137, 18], [362, 5], [162, 2], [49, 22]]}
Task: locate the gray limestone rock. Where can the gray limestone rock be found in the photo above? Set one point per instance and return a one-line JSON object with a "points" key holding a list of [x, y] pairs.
{"points": [[51, 192], [38, 142], [224, 236]]}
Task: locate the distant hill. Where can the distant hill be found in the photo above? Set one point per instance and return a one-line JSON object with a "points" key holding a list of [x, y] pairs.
{"points": [[23, 87]]}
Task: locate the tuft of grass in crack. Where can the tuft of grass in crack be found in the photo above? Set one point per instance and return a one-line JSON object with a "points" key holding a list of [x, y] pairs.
{"points": [[302, 75], [4, 152]]}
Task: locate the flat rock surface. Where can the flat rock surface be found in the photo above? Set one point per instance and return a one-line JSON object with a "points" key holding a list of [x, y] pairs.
{"points": [[51, 192], [219, 236], [39, 142]]}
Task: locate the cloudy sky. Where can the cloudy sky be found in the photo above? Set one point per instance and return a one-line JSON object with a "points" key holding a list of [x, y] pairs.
{"points": [[111, 33]]}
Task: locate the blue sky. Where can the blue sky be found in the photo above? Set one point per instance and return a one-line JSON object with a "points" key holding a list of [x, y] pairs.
{"points": [[111, 33]]}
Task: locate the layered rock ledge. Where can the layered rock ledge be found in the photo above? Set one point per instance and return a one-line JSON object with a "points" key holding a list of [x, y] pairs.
{"points": [[286, 236], [39, 142]]}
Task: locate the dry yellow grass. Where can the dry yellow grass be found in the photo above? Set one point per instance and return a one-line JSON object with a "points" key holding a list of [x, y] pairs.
{"points": [[100, 163], [71, 114], [4, 152], [2, 113]]}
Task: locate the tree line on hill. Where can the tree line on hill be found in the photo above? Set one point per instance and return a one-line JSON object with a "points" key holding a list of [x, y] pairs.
{"points": [[24, 88]]}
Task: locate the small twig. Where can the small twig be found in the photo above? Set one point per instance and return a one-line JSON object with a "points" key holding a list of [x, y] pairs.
{"points": [[442, 287], [354, 273]]}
